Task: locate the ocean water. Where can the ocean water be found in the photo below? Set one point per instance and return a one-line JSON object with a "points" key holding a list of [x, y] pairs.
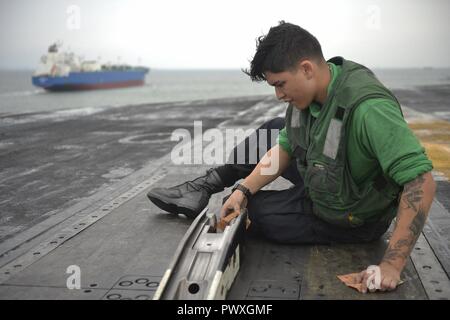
{"points": [[18, 95]]}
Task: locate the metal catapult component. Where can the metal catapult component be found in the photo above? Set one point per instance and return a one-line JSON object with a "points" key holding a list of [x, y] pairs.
{"points": [[206, 261]]}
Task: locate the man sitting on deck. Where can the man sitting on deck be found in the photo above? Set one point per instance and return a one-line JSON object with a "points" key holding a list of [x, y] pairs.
{"points": [[345, 146]]}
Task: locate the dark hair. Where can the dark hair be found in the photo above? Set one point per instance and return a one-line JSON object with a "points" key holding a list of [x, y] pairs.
{"points": [[281, 49]]}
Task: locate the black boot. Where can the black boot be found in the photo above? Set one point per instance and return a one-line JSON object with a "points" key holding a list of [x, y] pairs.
{"points": [[188, 198]]}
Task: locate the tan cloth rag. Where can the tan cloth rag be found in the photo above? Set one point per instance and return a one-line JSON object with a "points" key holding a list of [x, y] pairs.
{"points": [[224, 221], [350, 281]]}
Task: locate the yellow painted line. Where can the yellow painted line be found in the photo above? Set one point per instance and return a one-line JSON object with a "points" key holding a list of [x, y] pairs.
{"points": [[435, 138], [436, 125]]}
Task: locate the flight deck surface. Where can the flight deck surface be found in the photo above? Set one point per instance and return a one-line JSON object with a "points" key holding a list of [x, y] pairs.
{"points": [[122, 243]]}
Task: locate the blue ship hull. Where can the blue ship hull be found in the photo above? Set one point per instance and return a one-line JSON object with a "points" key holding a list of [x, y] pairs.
{"points": [[92, 80]]}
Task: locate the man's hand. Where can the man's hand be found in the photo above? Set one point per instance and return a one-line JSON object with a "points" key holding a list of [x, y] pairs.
{"points": [[234, 203], [390, 278]]}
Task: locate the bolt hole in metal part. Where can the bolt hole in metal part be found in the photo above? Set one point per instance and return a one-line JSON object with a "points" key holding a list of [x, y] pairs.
{"points": [[193, 288]]}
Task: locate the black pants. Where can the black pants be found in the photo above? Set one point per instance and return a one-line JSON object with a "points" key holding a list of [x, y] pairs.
{"points": [[285, 216]]}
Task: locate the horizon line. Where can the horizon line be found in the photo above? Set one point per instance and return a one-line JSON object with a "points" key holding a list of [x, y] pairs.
{"points": [[5, 68]]}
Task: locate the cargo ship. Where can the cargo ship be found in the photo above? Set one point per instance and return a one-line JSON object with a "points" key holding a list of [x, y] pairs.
{"points": [[64, 71]]}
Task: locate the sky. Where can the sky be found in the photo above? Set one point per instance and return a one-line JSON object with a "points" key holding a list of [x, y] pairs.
{"points": [[210, 34]]}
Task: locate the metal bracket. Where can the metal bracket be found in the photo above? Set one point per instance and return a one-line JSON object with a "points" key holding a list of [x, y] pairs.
{"points": [[206, 261]]}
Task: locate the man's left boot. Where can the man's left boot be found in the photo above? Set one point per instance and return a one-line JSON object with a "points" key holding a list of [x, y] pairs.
{"points": [[188, 198]]}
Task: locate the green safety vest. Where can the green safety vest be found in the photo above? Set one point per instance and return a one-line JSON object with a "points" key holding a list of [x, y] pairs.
{"points": [[320, 148]]}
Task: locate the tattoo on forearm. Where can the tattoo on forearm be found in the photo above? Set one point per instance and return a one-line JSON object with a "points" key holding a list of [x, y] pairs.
{"points": [[403, 247], [411, 199], [413, 194], [417, 224], [397, 250]]}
